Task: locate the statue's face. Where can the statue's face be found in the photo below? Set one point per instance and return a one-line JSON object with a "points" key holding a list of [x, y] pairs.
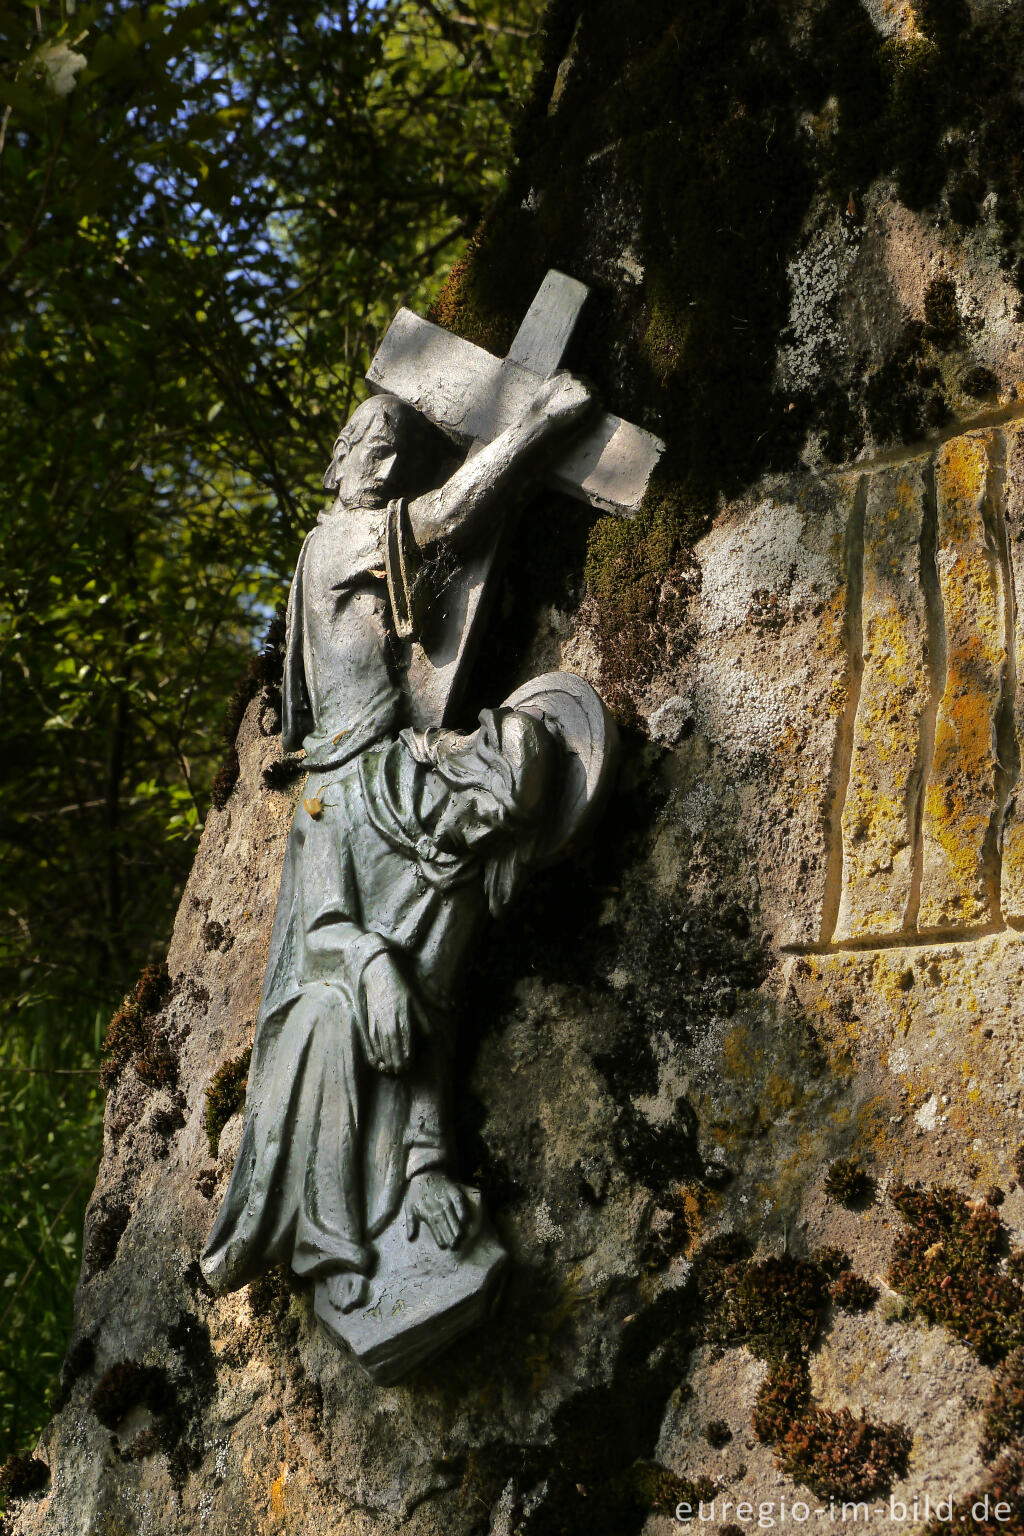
{"points": [[367, 474]]}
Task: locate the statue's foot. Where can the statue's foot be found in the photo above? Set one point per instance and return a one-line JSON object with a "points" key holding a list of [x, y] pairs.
{"points": [[346, 1290], [441, 1203]]}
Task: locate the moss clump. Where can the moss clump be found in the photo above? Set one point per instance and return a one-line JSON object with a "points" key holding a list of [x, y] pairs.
{"points": [[717, 1434], [979, 383], [904, 397], [22, 1476], [157, 1065], [104, 1236], [853, 1293], [128, 1385], [775, 1307], [846, 1181], [942, 312], [176, 1397], [836, 1455], [639, 574], [79, 1362], [1005, 1481], [270, 1295], [282, 772], [782, 1400], [225, 1096], [130, 1032], [839, 1455], [216, 936], [652, 1489], [472, 302], [948, 1261], [832, 1261], [780, 1304], [1004, 1411], [263, 673], [206, 1182], [166, 1121]]}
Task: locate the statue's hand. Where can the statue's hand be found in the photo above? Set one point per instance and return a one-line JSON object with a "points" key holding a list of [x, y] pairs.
{"points": [[562, 398], [388, 1015], [439, 1201]]}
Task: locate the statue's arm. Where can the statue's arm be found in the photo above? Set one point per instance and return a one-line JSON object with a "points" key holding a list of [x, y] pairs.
{"points": [[296, 713], [386, 1015], [452, 512]]}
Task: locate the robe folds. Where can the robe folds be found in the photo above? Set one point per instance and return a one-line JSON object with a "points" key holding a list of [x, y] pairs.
{"points": [[329, 1142]]}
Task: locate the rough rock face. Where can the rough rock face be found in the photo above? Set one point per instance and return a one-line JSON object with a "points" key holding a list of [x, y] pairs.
{"points": [[742, 1079]]}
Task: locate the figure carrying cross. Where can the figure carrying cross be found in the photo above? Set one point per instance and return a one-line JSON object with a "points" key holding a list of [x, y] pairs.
{"points": [[406, 834]]}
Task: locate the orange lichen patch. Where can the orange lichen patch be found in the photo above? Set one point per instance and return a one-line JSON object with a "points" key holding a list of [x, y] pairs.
{"points": [[739, 1061], [960, 797], [692, 1204], [878, 814], [277, 1494]]}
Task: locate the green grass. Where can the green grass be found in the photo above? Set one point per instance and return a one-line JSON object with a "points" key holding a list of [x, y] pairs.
{"points": [[51, 1116]]}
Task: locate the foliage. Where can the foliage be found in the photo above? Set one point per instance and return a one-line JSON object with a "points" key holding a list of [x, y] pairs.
{"points": [[51, 1108], [209, 210]]}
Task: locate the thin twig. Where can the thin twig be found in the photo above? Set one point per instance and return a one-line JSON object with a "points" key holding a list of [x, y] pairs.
{"points": [[489, 26]]}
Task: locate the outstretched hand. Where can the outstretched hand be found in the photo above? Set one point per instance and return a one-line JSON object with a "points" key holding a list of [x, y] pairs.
{"points": [[388, 1015], [562, 398], [439, 1201]]}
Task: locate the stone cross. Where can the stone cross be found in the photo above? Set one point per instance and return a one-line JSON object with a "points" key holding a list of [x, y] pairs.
{"points": [[472, 396]]}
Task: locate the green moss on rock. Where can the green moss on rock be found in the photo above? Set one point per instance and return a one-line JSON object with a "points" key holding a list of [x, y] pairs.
{"points": [[1004, 1411], [847, 1182], [852, 1293], [22, 1476], [130, 1031], [225, 1096], [948, 1261]]}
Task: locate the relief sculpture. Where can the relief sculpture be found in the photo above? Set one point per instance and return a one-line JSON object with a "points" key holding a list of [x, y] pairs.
{"points": [[408, 834]]}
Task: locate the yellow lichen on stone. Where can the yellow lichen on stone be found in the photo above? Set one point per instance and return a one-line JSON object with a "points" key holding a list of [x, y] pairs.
{"points": [[1012, 841], [277, 1495], [878, 814], [960, 797]]}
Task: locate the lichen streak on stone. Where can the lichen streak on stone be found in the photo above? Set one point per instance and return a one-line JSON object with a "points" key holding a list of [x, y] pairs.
{"points": [[961, 794], [877, 818], [1012, 871]]}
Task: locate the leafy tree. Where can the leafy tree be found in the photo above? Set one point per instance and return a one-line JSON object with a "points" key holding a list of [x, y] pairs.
{"points": [[209, 210]]}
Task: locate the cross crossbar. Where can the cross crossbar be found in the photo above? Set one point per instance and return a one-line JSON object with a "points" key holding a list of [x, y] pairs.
{"points": [[472, 396]]}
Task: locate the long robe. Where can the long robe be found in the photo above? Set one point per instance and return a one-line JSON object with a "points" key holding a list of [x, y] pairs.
{"points": [[330, 1143]]}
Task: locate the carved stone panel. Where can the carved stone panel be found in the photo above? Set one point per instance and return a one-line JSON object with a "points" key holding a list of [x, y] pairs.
{"points": [[930, 843], [879, 788], [962, 800], [889, 662]]}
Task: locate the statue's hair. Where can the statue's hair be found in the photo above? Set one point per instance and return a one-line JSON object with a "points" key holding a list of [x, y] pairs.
{"points": [[512, 757]]}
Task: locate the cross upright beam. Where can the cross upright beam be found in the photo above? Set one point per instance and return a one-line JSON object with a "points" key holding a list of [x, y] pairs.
{"points": [[472, 396]]}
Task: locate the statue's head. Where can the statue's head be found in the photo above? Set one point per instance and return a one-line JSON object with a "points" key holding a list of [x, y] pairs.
{"points": [[498, 775], [499, 779], [383, 442]]}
